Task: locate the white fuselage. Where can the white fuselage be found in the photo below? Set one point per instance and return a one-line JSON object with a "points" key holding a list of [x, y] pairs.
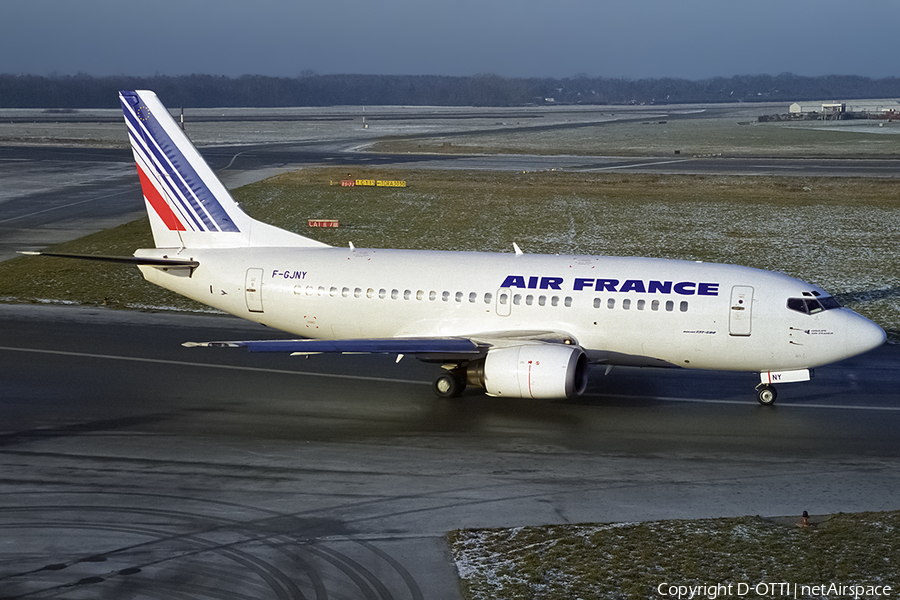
{"points": [[632, 311]]}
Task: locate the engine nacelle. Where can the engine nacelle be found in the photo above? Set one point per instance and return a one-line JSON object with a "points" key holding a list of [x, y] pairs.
{"points": [[536, 371]]}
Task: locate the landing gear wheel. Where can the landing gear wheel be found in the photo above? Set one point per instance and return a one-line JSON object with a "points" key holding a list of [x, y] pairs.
{"points": [[449, 385], [766, 394]]}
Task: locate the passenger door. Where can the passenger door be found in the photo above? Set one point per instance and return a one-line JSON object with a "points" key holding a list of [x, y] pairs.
{"points": [[741, 312], [253, 290]]}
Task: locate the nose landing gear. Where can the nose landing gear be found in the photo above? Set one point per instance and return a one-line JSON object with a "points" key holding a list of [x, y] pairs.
{"points": [[766, 394]]}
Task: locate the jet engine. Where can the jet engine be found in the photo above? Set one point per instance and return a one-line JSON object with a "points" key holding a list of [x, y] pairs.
{"points": [[536, 371]]}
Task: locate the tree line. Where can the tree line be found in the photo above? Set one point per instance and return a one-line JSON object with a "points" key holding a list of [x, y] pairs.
{"points": [[310, 89]]}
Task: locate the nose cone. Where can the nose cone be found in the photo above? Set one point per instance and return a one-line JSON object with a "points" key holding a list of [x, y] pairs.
{"points": [[861, 335]]}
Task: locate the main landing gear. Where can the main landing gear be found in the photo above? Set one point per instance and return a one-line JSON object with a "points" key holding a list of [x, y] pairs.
{"points": [[452, 383], [766, 394], [449, 384]]}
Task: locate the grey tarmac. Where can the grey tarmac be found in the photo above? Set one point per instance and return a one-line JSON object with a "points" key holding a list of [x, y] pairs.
{"points": [[132, 465]]}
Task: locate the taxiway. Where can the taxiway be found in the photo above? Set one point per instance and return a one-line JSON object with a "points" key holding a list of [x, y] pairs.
{"points": [[134, 466]]}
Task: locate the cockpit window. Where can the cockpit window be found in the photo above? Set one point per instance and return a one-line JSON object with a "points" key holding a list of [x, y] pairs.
{"points": [[828, 303], [811, 306]]}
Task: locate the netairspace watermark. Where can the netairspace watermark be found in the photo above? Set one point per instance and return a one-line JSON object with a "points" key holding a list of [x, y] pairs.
{"points": [[773, 590]]}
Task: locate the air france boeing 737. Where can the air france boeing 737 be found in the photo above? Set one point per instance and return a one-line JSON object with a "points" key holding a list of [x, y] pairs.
{"points": [[516, 324]]}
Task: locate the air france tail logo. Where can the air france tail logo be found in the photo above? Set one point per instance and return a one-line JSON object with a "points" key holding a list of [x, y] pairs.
{"points": [[171, 183], [639, 286]]}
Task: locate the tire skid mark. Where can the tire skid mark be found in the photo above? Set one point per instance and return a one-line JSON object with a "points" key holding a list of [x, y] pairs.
{"points": [[282, 585], [260, 531], [368, 584], [414, 589], [315, 578], [210, 524], [312, 574]]}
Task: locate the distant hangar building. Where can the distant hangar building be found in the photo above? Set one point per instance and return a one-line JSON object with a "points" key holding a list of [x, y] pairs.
{"points": [[883, 109], [827, 107]]}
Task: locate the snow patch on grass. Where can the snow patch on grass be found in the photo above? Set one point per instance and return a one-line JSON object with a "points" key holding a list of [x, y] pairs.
{"points": [[630, 560]]}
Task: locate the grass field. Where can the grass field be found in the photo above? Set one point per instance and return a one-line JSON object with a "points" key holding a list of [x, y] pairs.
{"points": [[632, 560], [840, 233]]}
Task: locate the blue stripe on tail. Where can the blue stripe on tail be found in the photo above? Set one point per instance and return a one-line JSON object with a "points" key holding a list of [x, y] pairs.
{"points": [[182, 185]]}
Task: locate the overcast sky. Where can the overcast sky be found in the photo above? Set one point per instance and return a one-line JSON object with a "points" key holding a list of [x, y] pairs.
{"points": [[691, 39]]}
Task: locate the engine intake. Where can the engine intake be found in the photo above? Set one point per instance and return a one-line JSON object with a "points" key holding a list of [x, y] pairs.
{"points": [[536, 371]]}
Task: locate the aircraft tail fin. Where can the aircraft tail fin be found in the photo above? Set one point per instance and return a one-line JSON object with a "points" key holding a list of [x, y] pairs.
{"points": [[188, 206]]}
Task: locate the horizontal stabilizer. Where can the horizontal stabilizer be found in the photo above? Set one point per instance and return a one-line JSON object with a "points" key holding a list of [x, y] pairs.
{"points": [[412, 346], [129, 260]]}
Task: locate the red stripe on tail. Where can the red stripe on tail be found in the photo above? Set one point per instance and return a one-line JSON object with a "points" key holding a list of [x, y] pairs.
{"points": [[158, 203]]}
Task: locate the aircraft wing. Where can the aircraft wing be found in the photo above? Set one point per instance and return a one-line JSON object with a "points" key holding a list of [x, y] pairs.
{"points": [[422, 347], [455, 347]]}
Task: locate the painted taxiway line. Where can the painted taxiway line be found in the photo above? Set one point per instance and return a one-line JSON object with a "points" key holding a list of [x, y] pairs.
{"points": [[637, 165], [61, 206], [181, 363]]}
